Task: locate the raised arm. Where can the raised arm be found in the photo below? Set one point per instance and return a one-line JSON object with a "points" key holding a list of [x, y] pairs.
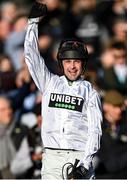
{"points": [[34, 61]]}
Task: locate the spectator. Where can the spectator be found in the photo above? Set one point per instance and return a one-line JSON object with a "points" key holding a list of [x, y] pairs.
{"points": [[115, 75], [13, 144], [119, 28], [5, 29], [113, 152], [8, 10], [7, 74], [6, 64], [14, 41]]}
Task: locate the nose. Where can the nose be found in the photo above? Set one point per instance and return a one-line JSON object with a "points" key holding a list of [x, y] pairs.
{"points": [[72, 64]]}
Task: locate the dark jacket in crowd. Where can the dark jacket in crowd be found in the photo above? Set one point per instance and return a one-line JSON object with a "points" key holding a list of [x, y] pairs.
{"points": [[111, 81], [113, 152], [15, 151]]}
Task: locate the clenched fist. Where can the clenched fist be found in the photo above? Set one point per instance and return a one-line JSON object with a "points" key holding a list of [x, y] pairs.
{"points": [[38, 10]]}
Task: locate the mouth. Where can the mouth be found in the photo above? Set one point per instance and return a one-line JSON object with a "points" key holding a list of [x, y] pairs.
{"points": [[72, 72]]}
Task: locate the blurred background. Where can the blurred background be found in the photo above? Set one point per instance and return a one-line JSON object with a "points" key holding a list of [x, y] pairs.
{"points": [[102, 25]]}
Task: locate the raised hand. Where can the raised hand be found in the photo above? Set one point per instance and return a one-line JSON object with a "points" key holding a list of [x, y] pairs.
{"points": [[38, 10]]}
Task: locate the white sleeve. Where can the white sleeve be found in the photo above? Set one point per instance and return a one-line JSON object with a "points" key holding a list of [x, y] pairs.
{"points": [[34, 61], [94, 114]]}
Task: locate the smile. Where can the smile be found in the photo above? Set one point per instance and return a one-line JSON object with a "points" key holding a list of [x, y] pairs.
{"points": [[72, 72]]}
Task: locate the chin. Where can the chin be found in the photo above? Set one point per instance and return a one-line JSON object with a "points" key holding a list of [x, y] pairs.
{"points": [[73, 79]]}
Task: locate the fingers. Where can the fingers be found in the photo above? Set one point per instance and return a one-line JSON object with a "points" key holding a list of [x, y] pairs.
{"points": [[38, 10]]}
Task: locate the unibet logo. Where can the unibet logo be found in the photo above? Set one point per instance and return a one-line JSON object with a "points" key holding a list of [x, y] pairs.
{"points": [[66, 102]]}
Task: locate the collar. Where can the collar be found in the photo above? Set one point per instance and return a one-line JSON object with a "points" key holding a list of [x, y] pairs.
{"points": [[73, 83]]}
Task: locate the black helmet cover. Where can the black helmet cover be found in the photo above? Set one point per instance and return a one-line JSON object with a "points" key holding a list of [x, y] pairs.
{"points": [[72, 49]]}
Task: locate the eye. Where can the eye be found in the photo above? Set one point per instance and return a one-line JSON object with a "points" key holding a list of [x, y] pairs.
{"points": [[78, 61], [67, 61]]}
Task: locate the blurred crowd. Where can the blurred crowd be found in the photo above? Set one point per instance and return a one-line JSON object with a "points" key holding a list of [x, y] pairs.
{"points": [[102, 25]]}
